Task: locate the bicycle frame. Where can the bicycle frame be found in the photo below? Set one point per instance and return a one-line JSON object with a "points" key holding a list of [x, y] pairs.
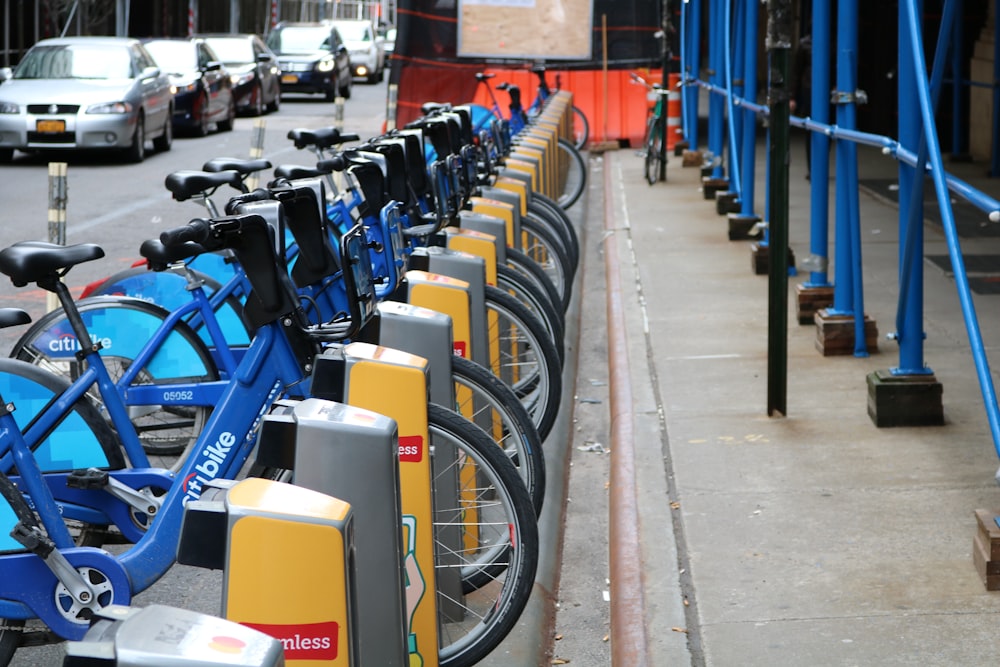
{"points": [[275, 363]]}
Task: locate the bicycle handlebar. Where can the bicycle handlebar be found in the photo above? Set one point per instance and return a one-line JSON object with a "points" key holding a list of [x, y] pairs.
{"points": [[197, 231]]}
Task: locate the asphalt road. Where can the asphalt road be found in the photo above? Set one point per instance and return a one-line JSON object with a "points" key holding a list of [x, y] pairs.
{"points": [[120, 205]]}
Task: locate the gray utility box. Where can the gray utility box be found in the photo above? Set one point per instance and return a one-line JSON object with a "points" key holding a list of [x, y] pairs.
{"points": [[161, 636]]}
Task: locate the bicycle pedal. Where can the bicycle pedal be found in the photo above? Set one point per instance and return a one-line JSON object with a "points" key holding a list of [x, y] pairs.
{"points": [[32, 539], [91, 478]]}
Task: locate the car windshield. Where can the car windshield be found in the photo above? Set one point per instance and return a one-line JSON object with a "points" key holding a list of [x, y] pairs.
{"points": [[173, 56], [354, 31], [232, 51], [76, 61], [299, 39]]}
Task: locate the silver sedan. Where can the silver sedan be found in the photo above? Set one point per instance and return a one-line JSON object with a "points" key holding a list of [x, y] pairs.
{"points": [[86, 93]]}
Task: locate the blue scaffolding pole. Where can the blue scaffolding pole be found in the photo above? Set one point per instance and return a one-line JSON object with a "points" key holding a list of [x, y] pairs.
{"points": [[717, 103], [819, 163], [749, 116]]}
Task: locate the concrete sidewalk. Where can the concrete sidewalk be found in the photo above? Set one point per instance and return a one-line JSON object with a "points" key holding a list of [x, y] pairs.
{"points": [[816, 538]]}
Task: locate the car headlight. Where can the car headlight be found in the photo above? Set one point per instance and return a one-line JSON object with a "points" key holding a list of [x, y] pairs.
{"points": [[240, 79], [9, 107], [188, 87], [324, 65], [110, 107]]}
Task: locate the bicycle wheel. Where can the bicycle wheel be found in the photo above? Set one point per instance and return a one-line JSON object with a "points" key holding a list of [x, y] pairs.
{"points": [[125, 325], [654, 143], [542, 246], [581, 128], [499, 554], [557, 216], [532, 298], [533, 273], [537, 213], [493, 406], [575, 176], [529, 363]]}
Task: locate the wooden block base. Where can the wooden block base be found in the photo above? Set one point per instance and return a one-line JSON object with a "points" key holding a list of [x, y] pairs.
{"points": [[904, 400], [680, 148], [741, 227], [760, 258], [726, 203], [835, 334], [986, 549], [692, 159], [709, 186], [809, 300]]}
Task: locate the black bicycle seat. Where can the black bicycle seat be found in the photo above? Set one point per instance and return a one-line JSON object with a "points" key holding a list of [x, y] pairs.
{"points": [[292, 172], [242, 165], [188, 183], [323, 138], [11, 317], [32, 261]]}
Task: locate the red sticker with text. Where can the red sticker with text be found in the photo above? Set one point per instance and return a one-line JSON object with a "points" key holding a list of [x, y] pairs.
{"points": [[411, 448], [460, 349], [304, 641]]}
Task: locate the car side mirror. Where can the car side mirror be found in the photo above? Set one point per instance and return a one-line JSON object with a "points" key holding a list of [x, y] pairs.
{"points": [[213, 66], [6, 73], [264, 58], [150, 73]]}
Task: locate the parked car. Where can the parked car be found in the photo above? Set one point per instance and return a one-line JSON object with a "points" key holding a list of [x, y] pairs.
{"points": [[86, 93], [312, 58], [253, 69], [365, 46], [203, 91], [390, 43]]}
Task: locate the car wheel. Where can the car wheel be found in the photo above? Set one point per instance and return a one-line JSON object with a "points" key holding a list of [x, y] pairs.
{"points": [[276, 102], [257, 109], [201, 129], [345, 90], [6, 155], [137, 151], [226, 125], [164, 141]]}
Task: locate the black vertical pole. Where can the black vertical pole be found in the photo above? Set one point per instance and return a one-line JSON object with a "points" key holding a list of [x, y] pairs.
{"points": [[666, 53], [779, 44]]}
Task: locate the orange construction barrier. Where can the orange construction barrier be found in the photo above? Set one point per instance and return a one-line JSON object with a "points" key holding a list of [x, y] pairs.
{"points": [[674, 130]]}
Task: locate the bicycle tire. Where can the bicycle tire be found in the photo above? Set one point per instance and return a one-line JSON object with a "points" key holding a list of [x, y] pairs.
{"points": [[529, 363], [495, 408], [575, 176], [581, 128], [542, 246], [558, 215], [164, 430], [533, 273], [506, 558], [654, 144], [532, 297], [570, 244]]}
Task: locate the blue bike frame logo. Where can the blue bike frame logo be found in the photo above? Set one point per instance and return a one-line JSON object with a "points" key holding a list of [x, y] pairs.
{"points": [[207, 470]]}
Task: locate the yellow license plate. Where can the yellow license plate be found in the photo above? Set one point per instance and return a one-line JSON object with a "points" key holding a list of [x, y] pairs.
{"points": [[289, 78], [51, 126]]}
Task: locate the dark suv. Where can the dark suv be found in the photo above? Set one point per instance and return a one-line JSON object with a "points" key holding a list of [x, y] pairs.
{"points": [[313, 59]]}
